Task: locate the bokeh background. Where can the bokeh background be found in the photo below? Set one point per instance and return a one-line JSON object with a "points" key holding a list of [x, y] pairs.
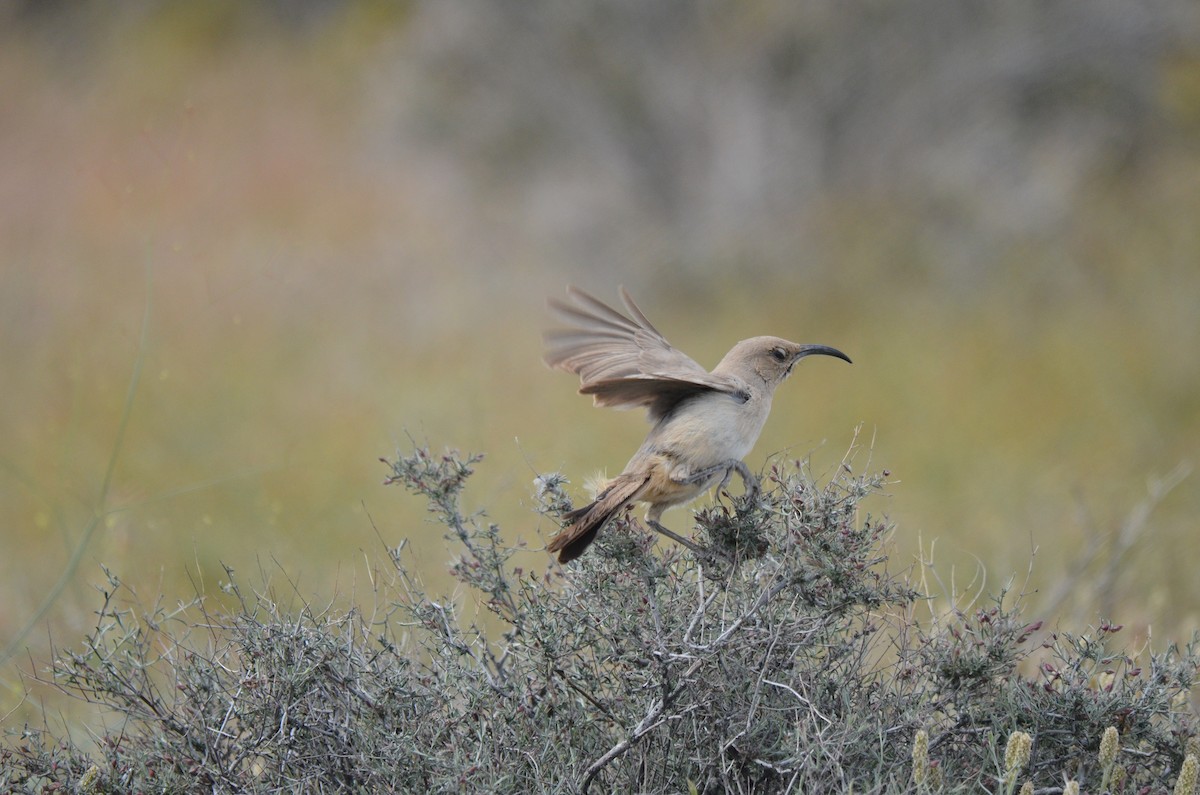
{"points": [[345, 219]]}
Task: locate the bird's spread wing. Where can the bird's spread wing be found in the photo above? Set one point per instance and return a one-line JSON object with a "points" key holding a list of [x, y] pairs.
{"points": [[624, 362]]}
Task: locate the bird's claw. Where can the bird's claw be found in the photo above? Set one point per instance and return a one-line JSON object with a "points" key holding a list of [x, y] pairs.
{"points": [[748, 481]]}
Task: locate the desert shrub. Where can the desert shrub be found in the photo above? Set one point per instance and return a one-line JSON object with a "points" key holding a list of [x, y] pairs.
{"points": [[788, 658]]}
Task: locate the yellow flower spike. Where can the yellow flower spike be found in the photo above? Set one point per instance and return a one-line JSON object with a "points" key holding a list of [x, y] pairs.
{"points": [[1186, 784], [1016, 756], [935, 778], [89, 782], [1108, 747], [920, 759], [1027, 788], [1110, 743], [1072, 788]]}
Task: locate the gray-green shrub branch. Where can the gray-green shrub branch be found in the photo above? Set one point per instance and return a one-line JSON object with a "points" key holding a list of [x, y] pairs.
{"points": [[788, 660]]}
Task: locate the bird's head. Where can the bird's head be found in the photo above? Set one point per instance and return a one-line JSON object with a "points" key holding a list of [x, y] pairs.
{"points": [[771, 358]]}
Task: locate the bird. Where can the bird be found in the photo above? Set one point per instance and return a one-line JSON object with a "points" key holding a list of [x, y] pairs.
{"points": [[703, 423]]}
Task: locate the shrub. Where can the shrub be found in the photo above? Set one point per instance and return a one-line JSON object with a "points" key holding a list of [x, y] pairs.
{"points": [[788, 659]]}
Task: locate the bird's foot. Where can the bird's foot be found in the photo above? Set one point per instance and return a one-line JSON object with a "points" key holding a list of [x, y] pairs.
{"points": [[748, 480]]}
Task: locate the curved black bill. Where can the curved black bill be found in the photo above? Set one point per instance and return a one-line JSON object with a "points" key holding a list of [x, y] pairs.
{"points": [[823, 350]]}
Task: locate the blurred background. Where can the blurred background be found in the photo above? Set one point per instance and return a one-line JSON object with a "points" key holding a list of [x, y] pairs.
{"points": [[345, 219]]}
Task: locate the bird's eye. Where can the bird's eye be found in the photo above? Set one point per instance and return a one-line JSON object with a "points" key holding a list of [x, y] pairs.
{"points": [[779, 353]]}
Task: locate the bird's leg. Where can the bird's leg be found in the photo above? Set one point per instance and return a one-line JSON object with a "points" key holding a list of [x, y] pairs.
{"points": [[658, 527], [748, 480], [723, 486]]}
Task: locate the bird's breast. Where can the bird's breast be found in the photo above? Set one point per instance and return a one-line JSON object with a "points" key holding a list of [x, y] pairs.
{"points": [[710, 429]]}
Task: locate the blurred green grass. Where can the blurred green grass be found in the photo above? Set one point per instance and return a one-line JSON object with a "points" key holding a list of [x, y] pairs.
{"points": [[313, 304]]}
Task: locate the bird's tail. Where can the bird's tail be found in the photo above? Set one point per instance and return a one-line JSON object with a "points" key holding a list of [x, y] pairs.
{"points": [[587, 521]]}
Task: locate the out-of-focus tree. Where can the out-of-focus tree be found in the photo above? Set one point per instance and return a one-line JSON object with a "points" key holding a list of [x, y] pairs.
{"points": [[727, 124]]}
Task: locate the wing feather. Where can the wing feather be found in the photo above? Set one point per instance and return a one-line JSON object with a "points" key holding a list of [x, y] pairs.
{"points": [[624, 361]]}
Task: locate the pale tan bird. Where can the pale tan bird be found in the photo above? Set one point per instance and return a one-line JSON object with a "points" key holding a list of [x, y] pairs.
{"points": [[705, 422]]}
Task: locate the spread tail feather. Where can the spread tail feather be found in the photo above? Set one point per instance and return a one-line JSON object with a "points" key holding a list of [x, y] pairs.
{"points": [[587, 521]]}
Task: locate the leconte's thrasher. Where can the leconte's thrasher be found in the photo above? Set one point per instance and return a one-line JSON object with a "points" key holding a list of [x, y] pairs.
{"points": [[704, 422]]}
